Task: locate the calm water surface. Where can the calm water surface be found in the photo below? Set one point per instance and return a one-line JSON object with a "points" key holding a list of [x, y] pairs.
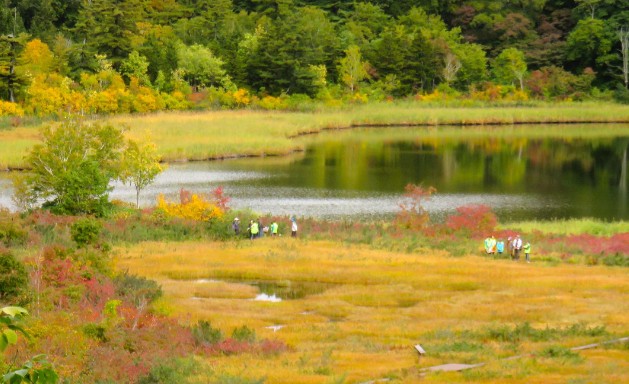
{"points": [[362, 174]]}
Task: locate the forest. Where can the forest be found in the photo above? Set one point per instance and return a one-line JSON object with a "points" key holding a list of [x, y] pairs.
{"points": [[118, 56]]}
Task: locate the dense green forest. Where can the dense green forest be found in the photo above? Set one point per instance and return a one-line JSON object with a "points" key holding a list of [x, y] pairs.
{"points": [[58, 54]]}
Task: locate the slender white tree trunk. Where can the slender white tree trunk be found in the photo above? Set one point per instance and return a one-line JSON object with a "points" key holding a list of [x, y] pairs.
{"points": [[623, 35]]}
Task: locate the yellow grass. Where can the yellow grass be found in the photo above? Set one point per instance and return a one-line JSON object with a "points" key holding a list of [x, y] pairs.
{"points": [[215, 134], [379, 304], [14, 145]]}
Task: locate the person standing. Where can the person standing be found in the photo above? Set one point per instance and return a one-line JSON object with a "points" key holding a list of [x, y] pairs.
{"points": [[236, 226], [527, 251], [260, 228], [254, 229], [274, 228], [500, 247], [490, 245], [517, 247], [487, 244], [293, 227]]}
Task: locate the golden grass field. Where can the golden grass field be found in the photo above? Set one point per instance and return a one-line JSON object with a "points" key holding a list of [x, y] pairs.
{"points": [[376, 305], [215, 134]]}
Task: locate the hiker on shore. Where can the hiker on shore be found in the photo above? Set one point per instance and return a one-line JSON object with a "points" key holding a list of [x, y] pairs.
{"points": [[260, 228], [510, 246], [293, 227], [274, 228], [253, 229], [490, 245], [236, 226], [500, 247], [527, 251], [517, 247]]}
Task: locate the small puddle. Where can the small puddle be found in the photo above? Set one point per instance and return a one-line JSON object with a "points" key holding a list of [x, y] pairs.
{"points": [[269, 298], [289, 290], [275, 291]]}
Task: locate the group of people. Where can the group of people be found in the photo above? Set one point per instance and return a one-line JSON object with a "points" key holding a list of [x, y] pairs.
{"points": [[256, 229], [515, 246]]}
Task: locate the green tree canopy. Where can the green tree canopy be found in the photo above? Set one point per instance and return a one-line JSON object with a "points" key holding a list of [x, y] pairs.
{"points": [[200, 67], [71, 170], [510, 66]]}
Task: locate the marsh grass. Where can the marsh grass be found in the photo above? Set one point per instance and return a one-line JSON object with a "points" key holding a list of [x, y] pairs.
{"points": [[466, 309], [571, 226], [218, 134]]}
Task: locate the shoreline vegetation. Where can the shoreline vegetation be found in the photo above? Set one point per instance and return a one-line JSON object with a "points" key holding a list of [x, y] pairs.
{"points": [[213, 135]]}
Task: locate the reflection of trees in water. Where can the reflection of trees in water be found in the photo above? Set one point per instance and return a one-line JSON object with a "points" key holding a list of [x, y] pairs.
{"points": [[494, 162], [577, 169]]}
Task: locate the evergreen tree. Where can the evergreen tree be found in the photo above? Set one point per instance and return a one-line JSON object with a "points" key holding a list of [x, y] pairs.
{"points": [[108, 26]]}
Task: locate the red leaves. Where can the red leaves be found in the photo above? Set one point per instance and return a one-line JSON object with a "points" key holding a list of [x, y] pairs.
{"points": [[474, 220]]}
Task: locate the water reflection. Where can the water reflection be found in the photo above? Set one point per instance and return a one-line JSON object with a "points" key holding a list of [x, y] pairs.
{"points": [[362, 174]]}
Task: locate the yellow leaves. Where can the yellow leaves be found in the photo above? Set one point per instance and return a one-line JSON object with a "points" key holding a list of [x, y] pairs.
{"points": [[8, 108], [271, 103], [241, 96], [51, 95], [195, 207], [359, 98], [36, 58]]}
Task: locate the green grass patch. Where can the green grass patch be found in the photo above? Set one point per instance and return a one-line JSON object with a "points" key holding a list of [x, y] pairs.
{"points": [[571, 226]]}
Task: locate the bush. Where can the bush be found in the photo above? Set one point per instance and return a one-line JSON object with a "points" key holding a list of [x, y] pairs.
{"points": [[137, 289], [11, 232], [95, 331], [563, 353], [85, 231], [617, 260], [175, 371], [621, 95], [203, 333], [13, 280], [245, 334], [191, 207], [472, 220]]}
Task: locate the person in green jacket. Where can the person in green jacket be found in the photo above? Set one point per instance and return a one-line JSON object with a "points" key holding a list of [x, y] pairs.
{"points": [[527, 252]]}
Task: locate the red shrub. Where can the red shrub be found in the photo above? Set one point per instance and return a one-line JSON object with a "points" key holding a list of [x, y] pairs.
{"points": [[232, 347], [473, 220], [219, 198]]}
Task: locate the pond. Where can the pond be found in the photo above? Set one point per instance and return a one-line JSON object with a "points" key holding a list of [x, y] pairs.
{"points": [[362, 174]]}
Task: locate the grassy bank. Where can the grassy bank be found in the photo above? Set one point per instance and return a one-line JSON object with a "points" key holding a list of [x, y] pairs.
{"points": [[204, 135], [375, 305]]}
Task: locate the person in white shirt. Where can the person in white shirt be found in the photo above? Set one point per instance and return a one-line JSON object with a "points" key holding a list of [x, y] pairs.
{"points": [[293, 227], [517, 247]]}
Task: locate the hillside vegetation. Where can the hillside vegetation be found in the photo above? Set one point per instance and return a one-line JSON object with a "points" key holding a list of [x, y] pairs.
{"points": [[83, 58]]}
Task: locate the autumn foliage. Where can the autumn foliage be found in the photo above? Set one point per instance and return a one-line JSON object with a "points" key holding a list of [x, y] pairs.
{"points": [[192, 206]]}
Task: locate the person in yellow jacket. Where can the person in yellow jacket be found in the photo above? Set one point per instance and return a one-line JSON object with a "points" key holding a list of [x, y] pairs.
{"points": [[254, 229], [527, 252], [490, 245]]}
